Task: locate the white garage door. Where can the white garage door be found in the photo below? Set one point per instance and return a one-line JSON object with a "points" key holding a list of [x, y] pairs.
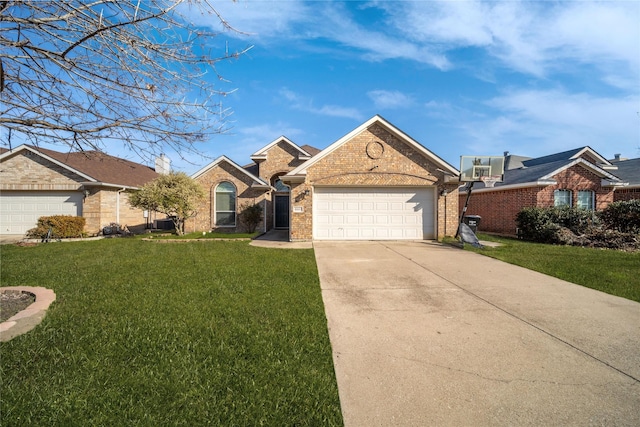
{"points": [[381, 213], [20, 210]]}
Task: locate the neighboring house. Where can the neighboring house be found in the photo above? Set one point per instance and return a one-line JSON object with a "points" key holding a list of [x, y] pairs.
{"points": [[579, 177], [628, 171], [37, 182], [375, 183]]}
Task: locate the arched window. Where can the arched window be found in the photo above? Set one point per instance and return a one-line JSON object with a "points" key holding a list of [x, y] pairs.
{"points": [[225, 205]]}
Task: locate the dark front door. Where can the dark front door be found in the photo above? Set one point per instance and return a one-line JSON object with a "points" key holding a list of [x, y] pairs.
{"points": [[282, 211]]}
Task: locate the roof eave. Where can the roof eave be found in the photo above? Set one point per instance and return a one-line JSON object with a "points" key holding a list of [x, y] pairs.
{"points": [[293, 179], [613, 183], [108, 185]]}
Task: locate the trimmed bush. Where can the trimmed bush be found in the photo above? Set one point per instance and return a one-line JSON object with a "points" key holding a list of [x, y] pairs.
{"points": [[622, 216], [250, 216], [62, 227]]}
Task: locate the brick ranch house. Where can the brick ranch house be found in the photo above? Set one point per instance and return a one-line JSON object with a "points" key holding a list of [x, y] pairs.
{"points": [[37, 182], [375, 183], [579, 177]]}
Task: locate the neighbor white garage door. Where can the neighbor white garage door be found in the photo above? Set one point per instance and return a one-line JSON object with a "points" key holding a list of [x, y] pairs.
{"points": [[20, 210], [380, 213]]}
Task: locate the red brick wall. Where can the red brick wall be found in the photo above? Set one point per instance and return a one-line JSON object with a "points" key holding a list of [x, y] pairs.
{"points": [[498, 209], [626, 194]]}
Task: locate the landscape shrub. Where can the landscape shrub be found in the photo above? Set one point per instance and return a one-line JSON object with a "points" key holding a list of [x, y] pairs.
{"points": [[617, 227], [535, 225], [62, 227], [250, 216], [577, 220], [622, 216]]}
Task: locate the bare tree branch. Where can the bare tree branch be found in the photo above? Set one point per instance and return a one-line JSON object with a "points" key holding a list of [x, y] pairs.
{"points": [[83, 73]]}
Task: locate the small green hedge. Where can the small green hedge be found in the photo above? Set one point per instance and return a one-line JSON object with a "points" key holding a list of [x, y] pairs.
{"points": [[62, 227]]}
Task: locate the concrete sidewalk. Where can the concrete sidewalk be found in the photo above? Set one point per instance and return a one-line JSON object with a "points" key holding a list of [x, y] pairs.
{"points": [[425, 334]]}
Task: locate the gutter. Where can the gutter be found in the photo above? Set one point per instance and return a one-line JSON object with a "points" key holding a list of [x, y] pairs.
{"points": [[542, 183]]}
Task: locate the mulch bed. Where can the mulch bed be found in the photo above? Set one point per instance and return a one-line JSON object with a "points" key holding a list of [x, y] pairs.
{"points": [[12, 302]]}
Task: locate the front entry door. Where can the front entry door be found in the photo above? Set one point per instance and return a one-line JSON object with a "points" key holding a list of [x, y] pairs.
{"points": [[282, 211]]}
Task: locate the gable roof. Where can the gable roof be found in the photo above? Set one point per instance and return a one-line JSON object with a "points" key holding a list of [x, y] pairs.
{"points": [[96, 167], [629, 171], [257, 182], [302, 169], [261, 154]]}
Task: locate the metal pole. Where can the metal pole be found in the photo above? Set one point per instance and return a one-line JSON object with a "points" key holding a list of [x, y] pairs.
{"points": [[464, 209]]}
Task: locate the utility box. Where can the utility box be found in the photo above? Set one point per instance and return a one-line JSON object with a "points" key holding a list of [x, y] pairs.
{"points": [[473, 221]]}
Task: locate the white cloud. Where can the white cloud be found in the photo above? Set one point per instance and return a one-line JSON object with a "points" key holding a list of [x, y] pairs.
{"points": [[530, 37], [257, 19], [534, 123], [390, 99], [301, 103]]}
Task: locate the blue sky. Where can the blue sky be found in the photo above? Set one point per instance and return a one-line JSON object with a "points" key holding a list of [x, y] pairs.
{"points": [[460, 77]]}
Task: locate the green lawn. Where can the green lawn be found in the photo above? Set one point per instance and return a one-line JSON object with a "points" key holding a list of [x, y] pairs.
{"points": [[198, 235], [206, 333], [610, 271]]}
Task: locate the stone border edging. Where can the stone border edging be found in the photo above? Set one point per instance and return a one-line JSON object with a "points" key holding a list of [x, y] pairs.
{"points": [[30, 317]]}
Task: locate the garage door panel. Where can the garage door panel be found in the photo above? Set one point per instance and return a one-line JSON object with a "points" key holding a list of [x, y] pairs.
{"points": [[20, 210], [374, 213]]}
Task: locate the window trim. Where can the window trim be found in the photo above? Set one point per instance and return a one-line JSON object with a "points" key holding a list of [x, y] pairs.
{"points": [[215, 207]]}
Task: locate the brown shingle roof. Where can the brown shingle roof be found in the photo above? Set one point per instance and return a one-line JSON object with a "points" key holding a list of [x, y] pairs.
{"points": [[311, 150], [104, 168]]}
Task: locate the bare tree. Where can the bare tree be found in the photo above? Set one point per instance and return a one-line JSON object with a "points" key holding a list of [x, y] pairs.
{"points": [[83, 73]]}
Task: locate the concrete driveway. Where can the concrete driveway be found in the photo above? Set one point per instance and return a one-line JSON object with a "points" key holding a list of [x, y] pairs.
{"points": [[426, 335]]}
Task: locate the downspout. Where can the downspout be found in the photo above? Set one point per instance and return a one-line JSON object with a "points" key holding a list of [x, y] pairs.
{"points": [[118, 205], [264, 215]]}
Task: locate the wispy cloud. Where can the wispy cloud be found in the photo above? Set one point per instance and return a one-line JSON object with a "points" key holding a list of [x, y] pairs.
{"points": [[302, 103], [530, 37], [390, 99], [537, 122]]}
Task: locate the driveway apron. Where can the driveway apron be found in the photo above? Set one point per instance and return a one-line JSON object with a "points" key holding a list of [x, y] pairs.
{"points": [[425, 334]]}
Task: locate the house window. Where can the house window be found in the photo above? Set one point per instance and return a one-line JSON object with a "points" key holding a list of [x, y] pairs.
{"points": [[225, 205], [562, 198], [585, 199]]}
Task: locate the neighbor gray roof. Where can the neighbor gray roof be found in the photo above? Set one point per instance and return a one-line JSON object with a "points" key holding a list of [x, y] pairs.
{"points": [[628, 171], [565, 155], [540, 171]]}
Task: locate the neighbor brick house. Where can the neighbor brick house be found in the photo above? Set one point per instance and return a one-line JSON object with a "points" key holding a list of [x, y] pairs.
{"points": [[374, 183], [628, 171], [579, 177], [37, 182]]}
